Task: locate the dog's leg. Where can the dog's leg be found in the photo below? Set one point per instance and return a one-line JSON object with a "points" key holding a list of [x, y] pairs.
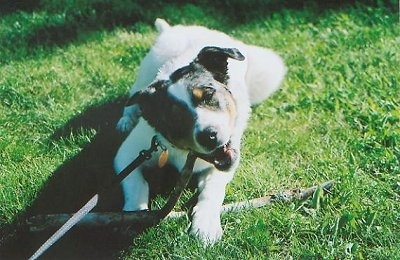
{"points": [[130, 118], [135, 188], [206, 224], [136, 192], [146, 74]]}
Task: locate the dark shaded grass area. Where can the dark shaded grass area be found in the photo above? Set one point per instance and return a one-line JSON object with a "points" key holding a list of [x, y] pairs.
{"points": [[69, 21], [71, 186]]}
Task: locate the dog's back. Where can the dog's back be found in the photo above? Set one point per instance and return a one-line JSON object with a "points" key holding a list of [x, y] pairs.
{"points": [[265, 68]]}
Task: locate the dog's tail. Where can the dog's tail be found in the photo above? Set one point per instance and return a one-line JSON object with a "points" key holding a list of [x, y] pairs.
{"points": [[265, 73], [161, 25]]}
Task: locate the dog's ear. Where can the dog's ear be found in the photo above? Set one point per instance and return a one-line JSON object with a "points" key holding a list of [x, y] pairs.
{"points": [[143, 95], [215, 60]]}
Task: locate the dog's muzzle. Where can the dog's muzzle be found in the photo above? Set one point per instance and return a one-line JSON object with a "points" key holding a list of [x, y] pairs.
{"points": [[222, 158]]}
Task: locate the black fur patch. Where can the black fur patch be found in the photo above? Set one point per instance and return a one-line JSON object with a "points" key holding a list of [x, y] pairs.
{"points": [[170, 116], [180, 73], [215, 60]]}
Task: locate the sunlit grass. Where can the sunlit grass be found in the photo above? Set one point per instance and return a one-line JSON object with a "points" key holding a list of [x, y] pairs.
{"points": [[337, 116]]}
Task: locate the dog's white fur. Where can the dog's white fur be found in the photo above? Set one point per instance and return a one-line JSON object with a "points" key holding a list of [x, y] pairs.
{"points": [[251, 81]]}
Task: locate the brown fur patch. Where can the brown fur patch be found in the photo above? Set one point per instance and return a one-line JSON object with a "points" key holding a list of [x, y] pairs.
{"points": [[231, 106], [198, 94]]}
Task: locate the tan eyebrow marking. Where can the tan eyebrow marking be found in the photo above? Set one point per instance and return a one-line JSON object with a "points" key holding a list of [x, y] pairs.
{"points": [[198, 94]]}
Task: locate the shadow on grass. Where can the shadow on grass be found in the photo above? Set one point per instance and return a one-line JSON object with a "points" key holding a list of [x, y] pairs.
{"points": [[70, 187], [72, 21], [73, 184]]}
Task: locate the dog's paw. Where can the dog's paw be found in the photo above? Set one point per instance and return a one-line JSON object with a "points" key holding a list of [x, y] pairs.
{"points": [[125, 124], [206, 226]]}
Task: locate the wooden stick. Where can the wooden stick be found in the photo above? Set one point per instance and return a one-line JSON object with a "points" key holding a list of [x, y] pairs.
{"points": [[150, 218]]}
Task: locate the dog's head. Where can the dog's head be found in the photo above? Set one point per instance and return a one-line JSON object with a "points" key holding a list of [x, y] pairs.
{"points": [[194, 109]]}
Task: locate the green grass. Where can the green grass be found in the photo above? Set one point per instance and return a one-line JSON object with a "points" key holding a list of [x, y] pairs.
{"points": [[66, 66]]}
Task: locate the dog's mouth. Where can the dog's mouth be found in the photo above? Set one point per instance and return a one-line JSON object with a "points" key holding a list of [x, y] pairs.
{"points": [[222, 158]]}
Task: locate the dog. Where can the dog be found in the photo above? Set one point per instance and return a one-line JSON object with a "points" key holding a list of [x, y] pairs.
{"points": [[194, 90]]}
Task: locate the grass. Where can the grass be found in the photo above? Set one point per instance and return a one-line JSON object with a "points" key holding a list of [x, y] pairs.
{"points": [[66, 67]]}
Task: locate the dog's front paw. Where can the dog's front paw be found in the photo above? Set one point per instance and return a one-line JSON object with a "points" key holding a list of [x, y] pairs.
{"points": [[206, 226], [125, 124]]}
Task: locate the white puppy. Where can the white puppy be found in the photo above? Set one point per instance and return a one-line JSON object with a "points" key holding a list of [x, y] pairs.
{"points": [[194, 90]]}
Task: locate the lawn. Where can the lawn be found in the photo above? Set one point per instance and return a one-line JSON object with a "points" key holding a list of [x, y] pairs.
{"points": [[66, 67]]}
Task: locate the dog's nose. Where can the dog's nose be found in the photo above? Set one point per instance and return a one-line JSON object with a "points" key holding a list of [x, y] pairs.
{"points": [[208, 138]]}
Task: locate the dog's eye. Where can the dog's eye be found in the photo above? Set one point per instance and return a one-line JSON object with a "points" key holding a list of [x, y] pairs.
{"points": [[205, 97], [208, 94]]}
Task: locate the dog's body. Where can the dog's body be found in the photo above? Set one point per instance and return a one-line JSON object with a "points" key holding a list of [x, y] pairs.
{"points": [[194, 90]]}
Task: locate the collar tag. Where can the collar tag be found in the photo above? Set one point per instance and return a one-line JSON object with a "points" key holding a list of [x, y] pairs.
{"points": [[163, 159]]}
